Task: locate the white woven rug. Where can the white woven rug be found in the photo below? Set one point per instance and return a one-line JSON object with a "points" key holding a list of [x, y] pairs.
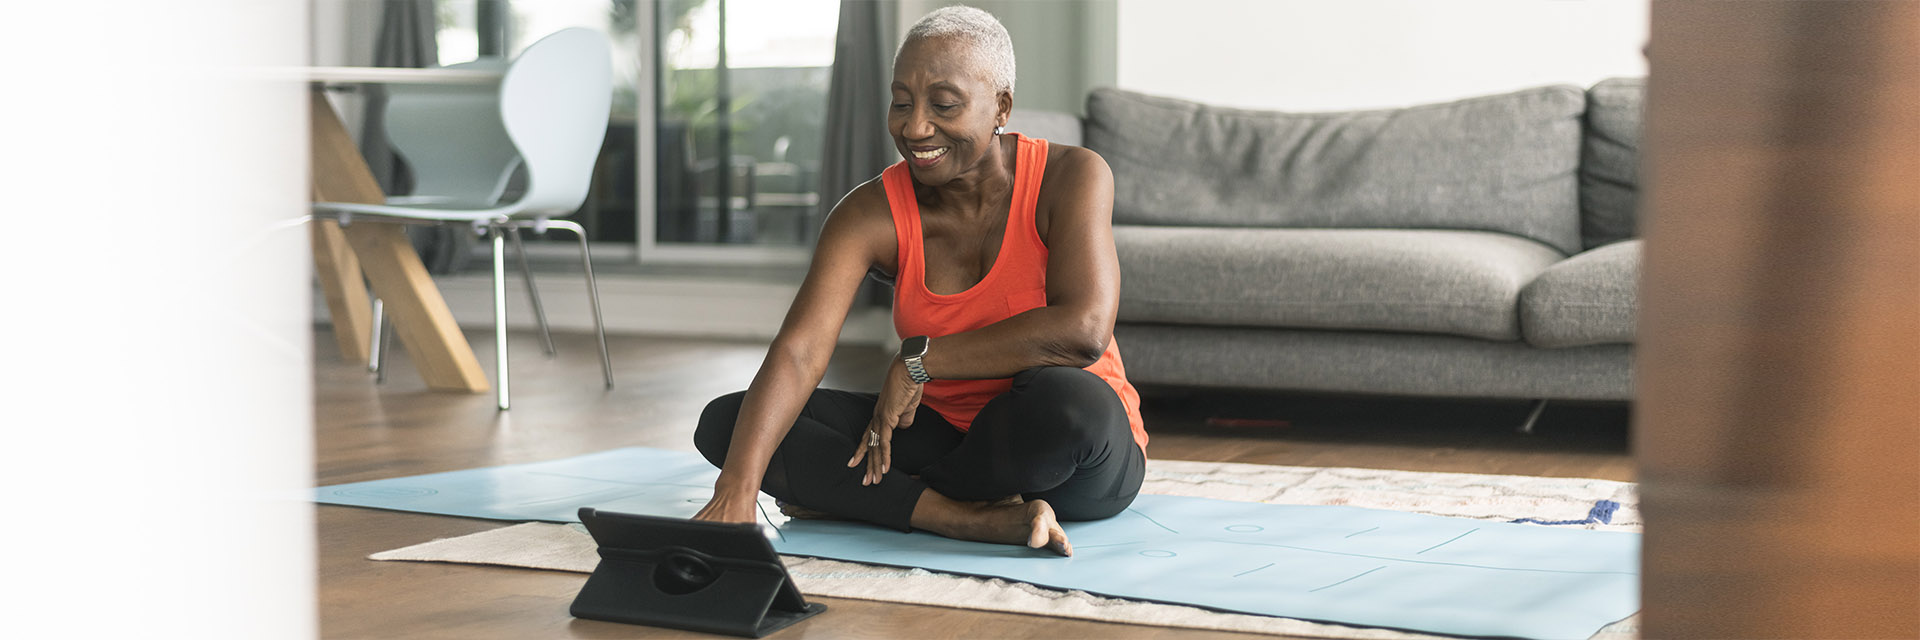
{"points": [[1484, 497]]}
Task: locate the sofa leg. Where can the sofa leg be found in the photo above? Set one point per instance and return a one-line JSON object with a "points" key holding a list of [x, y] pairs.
{"points": [[1533, 416]]}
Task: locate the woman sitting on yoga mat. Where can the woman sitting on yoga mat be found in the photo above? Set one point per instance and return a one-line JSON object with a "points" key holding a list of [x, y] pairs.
{"points": [[1008, 410]]}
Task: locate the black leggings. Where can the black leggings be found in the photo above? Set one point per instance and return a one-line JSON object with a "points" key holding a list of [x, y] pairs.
{"points": [[1060, 435]]}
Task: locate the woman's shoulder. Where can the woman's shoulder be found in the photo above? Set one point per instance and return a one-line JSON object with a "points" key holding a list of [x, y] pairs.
{"points": [[863, 212], [1074, 175], [1074, 170], [861, 223], [1073, 165], [865, 202]]}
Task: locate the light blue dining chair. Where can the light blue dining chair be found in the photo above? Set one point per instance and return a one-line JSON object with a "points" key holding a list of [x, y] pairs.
{"points": [[458, 151], [553, 105]]}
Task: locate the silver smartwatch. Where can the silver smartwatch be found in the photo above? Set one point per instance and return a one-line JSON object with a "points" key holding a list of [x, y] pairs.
{"points": [[911, 351]]}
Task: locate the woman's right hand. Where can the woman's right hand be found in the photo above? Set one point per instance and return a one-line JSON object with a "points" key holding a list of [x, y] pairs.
{"points": [[899, 398], [730, 506]]}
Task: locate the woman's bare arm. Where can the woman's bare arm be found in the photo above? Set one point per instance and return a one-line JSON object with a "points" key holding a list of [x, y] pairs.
{"points": [[854, 236]]}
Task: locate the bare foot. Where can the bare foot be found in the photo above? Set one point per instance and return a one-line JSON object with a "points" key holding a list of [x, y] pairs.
{"points": [[1043, 529], [1029, 523]]}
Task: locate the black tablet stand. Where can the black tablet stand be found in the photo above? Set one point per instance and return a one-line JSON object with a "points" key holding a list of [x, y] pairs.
{"points": [[699, 576]]}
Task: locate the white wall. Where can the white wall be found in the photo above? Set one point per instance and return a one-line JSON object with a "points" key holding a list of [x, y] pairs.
{"points": [[344, 32], [158, 404], [1062, 48], [1315, 55]]}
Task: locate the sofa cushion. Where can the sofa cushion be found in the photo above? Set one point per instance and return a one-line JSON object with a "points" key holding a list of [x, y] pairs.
{"points": [[1496, 163], [1610, 161], [1464, 283], [1371, 362], [1588, 299], [1055, 126]]}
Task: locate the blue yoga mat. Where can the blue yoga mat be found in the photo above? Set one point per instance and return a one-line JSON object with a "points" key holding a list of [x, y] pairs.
{"points": [[1366, 567]]}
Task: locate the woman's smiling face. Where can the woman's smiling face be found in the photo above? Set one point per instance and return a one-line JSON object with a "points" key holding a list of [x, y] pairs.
{"points": [[944, 110]]}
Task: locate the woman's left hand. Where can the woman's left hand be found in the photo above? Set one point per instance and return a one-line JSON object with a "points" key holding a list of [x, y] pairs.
{"points": [[899, 399]]}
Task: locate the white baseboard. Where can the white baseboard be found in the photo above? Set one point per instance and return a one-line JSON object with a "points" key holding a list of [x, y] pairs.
{"points": [[651, 305]]}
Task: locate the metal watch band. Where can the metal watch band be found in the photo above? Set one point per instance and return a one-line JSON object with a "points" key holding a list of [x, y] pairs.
{"points": [[911, 351], [917, 372]]}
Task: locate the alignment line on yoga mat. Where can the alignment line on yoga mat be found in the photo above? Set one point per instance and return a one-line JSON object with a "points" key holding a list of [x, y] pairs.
{"points": [[1362, 574], [1150, 519], [1252, 570], [1449, 541]]}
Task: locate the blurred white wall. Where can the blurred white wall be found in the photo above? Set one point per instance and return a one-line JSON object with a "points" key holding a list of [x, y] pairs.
{"points": [[1314, 55], [158, 398], [343, 35], [1062, 48]]}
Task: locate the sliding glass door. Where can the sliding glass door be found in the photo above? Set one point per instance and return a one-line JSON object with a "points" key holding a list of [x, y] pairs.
{"points": [[713, 147], [741, 100]]}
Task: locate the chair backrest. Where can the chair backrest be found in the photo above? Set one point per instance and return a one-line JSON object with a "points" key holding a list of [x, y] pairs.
{"points": [[554, 101], [452, 137]]}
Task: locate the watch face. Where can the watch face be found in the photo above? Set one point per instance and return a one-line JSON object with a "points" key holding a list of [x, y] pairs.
{"points": [[913, 347]]}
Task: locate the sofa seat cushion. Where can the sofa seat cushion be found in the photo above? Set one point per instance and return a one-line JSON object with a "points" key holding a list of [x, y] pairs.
{"points": [[1464, 283], [1585, 300]]}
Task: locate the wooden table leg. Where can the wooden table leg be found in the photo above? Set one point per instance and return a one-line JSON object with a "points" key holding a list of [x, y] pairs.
{"points": [[382, 253]]}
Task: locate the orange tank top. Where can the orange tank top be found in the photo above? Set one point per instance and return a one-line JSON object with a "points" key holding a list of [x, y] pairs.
{"points": [[1016, 283]]}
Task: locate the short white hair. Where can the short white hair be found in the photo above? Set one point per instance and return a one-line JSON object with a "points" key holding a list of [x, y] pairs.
{"points": [[979, 29]]}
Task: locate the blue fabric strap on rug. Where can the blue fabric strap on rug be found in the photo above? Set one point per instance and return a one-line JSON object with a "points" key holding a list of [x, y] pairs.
{"points": [[1336, 564], [1602, 513]]}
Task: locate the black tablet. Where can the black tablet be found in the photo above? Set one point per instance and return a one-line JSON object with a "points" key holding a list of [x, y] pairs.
{"points": [[702, 576]]}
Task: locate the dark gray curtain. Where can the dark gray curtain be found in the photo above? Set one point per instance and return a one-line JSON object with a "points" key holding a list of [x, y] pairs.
{"points": [[408, 38], [857, 144]]}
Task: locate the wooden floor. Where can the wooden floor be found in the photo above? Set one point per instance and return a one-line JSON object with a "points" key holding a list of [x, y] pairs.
{"points": [[366, 431]]}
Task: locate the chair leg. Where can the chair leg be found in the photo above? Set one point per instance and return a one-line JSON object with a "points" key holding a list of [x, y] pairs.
{"points": [[539, 313], [593, 294], [379, 327], [1533, 416], [499, 311], [383, 347]]}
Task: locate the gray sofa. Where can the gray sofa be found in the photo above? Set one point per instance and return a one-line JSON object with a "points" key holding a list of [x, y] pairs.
{"points": [[1479, 248]]}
